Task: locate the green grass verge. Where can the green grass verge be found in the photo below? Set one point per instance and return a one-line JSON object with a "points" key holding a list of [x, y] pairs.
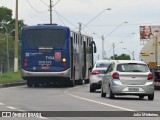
{"points": [[10, 77]]}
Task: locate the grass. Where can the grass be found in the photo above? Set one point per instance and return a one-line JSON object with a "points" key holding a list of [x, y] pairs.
{"points": [[10, 77]]}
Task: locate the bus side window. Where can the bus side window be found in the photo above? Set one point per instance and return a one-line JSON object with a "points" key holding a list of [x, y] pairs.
{"points": [[87, 41], [82, 39], [76, 38]]}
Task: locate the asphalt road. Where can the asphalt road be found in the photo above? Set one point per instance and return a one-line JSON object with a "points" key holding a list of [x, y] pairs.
{"points": [[22, 98]]}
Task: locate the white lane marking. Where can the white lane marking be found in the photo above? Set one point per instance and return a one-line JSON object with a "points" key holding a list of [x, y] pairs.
{"points": [[2, 104], [82, 98], [43, 118], [22, 110], [10, 107]]}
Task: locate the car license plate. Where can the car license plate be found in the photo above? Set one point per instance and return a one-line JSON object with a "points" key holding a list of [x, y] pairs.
{"points": [[133, 89]]}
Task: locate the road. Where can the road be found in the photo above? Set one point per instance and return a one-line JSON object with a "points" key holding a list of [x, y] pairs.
{"points": [[22, 98]]}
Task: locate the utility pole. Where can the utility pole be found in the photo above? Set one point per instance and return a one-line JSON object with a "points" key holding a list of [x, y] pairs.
{"points": [[50, 9], [79, 32], [80, 28], [113, 51], [102, 47], [98, 57], [156, 46], [16, 40], [133, 55]]}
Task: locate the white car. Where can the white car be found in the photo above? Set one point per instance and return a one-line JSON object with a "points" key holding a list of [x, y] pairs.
{"points": [[127, 77], [96, 74]]}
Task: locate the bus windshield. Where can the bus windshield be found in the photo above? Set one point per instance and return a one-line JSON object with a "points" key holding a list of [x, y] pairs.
{"points": [[36, 38]]}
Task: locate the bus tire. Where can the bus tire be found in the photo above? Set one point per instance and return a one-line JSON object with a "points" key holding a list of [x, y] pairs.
{"points": [[71, 83], [36, 84], [29, 83], [80, 82], [86, 81]]}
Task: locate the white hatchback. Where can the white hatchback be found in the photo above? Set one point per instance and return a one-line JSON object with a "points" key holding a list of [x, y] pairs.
{"points": [[126, 77], [96, 74]]}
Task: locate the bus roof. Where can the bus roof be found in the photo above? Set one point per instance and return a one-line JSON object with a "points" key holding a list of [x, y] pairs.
{"points": [[45, 26]]}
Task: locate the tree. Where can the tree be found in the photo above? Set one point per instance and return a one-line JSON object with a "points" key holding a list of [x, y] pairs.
{"points": [[121, 57], [5, 15], [9, 23]]}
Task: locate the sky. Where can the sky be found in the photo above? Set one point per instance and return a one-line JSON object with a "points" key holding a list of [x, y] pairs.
{"points": [[109, 23]]}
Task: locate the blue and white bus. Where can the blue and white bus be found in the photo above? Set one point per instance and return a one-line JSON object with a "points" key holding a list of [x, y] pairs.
{"points": [[53, 53]]}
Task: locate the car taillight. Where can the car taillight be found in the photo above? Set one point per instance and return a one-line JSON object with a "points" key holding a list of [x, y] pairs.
{"points": [[26, 62], [95, 72], [150, 76], [115, 75]]}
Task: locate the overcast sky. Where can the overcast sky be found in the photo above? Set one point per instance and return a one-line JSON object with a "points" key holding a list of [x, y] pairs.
{"points": [[71, 12]]}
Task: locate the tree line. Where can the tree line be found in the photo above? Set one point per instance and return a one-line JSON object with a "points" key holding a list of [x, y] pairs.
{"points": [[6, 19]]}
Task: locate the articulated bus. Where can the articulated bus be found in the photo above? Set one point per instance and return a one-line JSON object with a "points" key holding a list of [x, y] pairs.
{"points": [[54, 54]]}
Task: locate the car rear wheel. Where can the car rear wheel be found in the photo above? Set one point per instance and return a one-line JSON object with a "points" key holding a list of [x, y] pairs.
{"points": [[102, 93], [92, 89], [151, 97], [111, 95]]}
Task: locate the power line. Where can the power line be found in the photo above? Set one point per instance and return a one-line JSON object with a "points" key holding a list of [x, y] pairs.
{"points": [[65, 19], [59, 17], [44, 3], [34, 8], [95, 17], [125, 25], [56, 3]]}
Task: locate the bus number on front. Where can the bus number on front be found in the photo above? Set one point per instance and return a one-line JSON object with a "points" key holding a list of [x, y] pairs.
{"points": [[49, 57]]}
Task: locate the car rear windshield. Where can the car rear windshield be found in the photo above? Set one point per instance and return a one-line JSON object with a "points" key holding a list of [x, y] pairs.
{"points": [[132, 67], [36, 38], [101, 65]]}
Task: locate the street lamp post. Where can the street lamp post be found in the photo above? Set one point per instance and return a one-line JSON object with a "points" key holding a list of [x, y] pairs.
{"points": [[113, 43], [115, 29], [102, 47], [6, 34], [132, 53], [95, 17], [113, 51]]}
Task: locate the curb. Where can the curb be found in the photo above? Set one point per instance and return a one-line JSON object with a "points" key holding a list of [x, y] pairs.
{"points": [[12, 84]]}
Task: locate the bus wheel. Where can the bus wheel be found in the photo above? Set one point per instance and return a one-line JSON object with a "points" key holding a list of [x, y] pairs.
{"points": [[71, 83], [36, 84], [29, 83], [80, 82], [48, 84], [86, 81]]}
